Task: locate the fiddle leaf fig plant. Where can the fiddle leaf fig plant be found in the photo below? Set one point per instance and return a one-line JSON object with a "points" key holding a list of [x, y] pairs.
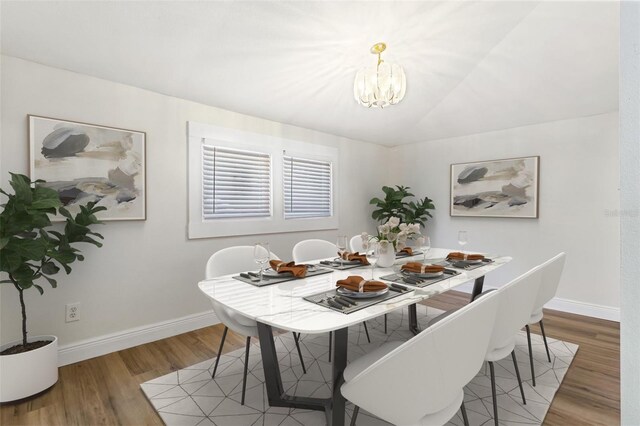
{"points": [[31, 250], [395, 205]]}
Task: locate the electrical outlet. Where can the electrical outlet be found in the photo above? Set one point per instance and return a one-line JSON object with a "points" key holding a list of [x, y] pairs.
{"points": [[72, 312]]}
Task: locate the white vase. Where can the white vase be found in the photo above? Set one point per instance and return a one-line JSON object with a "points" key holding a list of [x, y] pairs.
{"points": [[387, 254], [28, 373]]}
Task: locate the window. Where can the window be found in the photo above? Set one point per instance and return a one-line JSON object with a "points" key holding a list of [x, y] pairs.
{"points": [[247, 183], [235, 183], [307, 188]]}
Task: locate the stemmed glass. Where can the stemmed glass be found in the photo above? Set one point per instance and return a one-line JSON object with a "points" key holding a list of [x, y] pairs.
{"points": [[261, 255], [341, 243], [424, 243], [372, 252], [463, 240]]}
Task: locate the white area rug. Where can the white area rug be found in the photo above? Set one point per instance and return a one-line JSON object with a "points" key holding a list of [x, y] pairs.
{"points": [[191, 397]]}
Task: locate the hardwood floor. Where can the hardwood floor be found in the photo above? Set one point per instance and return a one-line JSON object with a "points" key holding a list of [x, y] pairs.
{"points": [[106, 391]]}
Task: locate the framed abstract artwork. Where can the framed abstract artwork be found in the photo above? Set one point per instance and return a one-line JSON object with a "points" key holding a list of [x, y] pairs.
{"points": [[497, 188], [87, 162]]}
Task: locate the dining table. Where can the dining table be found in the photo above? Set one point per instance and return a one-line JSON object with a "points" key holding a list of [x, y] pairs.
{"points": [[281, 306]]}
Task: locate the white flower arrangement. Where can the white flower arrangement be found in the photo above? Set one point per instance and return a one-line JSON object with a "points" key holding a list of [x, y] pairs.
{"points": [[393, 232]]}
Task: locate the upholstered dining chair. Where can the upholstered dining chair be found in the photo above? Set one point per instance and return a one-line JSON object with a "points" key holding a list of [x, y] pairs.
{"points": [[551, 273], [229, 261], [421, 381], [516, 302], [314, 249], [355, 244]]}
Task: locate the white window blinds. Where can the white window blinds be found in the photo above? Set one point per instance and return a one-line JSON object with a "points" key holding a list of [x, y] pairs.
{"points": [[235, 183], [307, 188]]}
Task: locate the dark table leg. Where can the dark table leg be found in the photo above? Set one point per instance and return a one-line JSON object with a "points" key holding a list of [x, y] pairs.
{"points": [[477, 287], [413, 319], [339, 364], [273, 380]]}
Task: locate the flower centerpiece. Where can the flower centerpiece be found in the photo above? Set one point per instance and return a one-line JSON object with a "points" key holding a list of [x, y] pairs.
{"points": [[392, 237]]}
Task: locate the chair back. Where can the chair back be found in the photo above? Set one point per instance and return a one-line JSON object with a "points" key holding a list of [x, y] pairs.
{"points": [[551, 273], [514, 311], [307, 250], [231, 260], [355, 244], [426, 374]]}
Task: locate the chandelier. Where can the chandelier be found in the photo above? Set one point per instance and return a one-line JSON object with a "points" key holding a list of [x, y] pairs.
{"points": [[380, 85]]}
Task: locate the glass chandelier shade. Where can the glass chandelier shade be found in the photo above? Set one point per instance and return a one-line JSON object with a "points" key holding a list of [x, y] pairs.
{"points": [[380, 85]]}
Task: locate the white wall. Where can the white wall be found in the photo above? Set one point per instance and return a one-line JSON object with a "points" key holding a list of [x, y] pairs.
{"points": [[630, 209], [147, 271], [578, 186]]}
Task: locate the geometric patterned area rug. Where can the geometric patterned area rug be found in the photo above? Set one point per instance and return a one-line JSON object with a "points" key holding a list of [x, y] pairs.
{"points": [[191, 397]]}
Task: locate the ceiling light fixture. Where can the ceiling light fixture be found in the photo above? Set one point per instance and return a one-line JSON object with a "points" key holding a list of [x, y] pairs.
{"points": [[381, 85]]}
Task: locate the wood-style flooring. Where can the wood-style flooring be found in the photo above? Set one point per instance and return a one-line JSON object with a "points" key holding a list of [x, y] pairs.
{"points": [[106, 390]]}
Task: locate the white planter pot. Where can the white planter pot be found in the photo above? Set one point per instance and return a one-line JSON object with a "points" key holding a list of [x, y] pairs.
{"points": [[387, 255], [28, 373]]}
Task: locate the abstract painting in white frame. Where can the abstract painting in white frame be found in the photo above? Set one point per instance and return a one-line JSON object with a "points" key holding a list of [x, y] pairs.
{"points": [[496, 188], [86, 162]]}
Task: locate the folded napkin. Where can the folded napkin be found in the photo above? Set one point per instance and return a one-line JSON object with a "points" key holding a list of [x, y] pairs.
{"points": [[406, 250], [355, 256], [279, 266], [456, 255], [359, 284], [420, 268]]}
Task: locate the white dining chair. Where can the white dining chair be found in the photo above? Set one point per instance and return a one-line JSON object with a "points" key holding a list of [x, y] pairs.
{"points": [[421, 381], [551, 273], [355, 244], [516, 301], [232, 260], [314, 249]]}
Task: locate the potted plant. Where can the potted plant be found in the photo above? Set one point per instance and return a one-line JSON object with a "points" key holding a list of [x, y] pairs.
{"points": [[395, 205], [392, 237], [30, 252]]}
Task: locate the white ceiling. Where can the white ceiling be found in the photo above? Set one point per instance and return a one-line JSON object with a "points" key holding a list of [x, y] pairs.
{"points": [[471, 66]]}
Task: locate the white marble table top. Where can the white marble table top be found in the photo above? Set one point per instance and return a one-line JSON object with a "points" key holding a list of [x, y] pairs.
{"points": [[282, 305]]}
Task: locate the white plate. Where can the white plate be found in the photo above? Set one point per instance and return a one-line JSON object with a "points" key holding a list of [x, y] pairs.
{"points": [[426, 274], [363, 295]]}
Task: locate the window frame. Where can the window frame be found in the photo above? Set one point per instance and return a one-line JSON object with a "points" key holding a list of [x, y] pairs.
{"points": [[277, 147]]}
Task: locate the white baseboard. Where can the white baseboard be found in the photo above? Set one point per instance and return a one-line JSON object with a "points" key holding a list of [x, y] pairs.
{"points": [[90, 348], [572, 306]]}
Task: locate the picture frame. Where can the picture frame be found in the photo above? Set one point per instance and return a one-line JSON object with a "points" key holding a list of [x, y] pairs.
{"points": [[504, 188], [89, 162]]}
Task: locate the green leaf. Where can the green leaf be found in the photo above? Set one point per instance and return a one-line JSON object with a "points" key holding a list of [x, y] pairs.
{"points": [[53, 282], [50, 268], [9, 261], [39, 289], [3, 242], [29, 249], [64, 212]]}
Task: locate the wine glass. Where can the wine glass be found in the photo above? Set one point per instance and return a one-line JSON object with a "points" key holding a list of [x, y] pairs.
{"points": [[463, 240], [341, 243], [261, 255], [424, 243], [372, 255]]}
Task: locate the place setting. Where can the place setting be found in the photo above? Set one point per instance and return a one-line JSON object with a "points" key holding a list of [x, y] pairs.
{"points": [[345, 260], [278, 270]]}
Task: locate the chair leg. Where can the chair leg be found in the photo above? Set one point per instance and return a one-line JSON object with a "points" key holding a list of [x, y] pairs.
{"points": [[330, 343], [544, 337], [246, 366], [366, 330], [385, 323], [224, 336], [493, 393], [296, 337], [515, 365], [533, 373], [465, 419], [356, 410]]}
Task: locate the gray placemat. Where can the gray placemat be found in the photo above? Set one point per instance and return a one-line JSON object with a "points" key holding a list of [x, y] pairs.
{"points": [[400, 278], [321, 299], [461, 264], [281, 279]]}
